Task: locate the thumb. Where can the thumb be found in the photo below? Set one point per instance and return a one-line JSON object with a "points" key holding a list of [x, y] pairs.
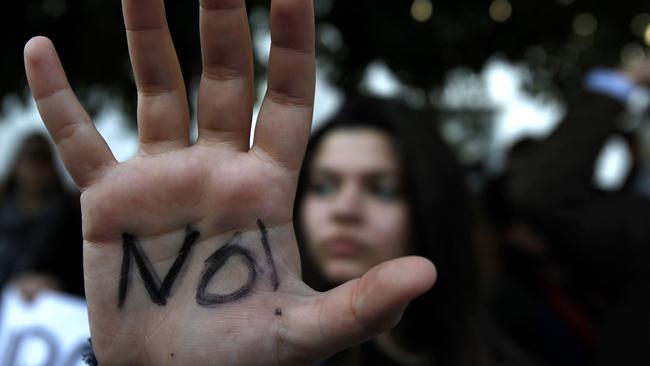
{"points": [[368, 306]]}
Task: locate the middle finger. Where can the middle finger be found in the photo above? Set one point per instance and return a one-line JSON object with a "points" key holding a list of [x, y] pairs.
{"points": [[163, 115], [226, 90]]}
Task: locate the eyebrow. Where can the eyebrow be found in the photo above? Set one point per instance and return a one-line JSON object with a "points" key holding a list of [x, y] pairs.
{"points": [[370, 174]]}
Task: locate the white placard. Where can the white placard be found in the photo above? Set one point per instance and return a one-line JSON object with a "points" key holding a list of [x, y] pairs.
{"points": [[52, 330]]}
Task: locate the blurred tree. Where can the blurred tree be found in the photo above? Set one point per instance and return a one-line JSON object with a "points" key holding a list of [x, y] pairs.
{"points": [[558, 38], [90, 38], [417, 39]]}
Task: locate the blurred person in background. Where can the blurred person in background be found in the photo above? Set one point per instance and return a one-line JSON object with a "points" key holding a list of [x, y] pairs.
{"points": [[527, 299], [40, 225], [574, 290], [378, 183]]}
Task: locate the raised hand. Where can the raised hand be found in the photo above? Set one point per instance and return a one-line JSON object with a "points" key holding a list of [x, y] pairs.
{"points": [[189, 252], [638, 72]]}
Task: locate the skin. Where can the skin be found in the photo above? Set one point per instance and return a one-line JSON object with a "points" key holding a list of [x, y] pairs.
{"points": [[638, 73], [31, 284], [354, 213], [219, 186], [35, 174]]}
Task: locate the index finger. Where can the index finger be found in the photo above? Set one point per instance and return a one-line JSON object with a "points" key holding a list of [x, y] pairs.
{"points": [[85, 153]]}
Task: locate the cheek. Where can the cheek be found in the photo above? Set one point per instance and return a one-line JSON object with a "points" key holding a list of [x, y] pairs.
{"points": [[391, 231], [313, 221]]}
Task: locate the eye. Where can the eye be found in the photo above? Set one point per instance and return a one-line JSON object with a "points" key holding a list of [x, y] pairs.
{"points": [[323, 187], [385, 191]]}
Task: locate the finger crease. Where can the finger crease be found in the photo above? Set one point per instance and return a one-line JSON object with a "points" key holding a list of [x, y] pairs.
{"points": [[222, 73], [353, 308], [50, 93], [286, 99], [294, 50], [152, 90], [155, 143], [67, 132]]}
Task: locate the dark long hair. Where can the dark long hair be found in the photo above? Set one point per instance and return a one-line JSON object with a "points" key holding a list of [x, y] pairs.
{"points": [[443, 322]]}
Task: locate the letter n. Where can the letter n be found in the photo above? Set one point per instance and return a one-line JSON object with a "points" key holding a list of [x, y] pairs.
{"points": [[158, 292]]}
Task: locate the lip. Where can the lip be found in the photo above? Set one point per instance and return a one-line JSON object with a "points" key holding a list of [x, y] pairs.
{"points": [[343, 246]]}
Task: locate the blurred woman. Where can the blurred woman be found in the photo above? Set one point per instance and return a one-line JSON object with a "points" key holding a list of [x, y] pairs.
{"points": [[379, 183], [40, 235]]}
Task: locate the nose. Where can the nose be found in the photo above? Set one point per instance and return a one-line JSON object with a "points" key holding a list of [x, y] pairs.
{"points": [[348, 205]]}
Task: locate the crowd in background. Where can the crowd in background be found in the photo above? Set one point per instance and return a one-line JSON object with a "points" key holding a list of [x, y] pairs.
{"points": [[568, 285]]}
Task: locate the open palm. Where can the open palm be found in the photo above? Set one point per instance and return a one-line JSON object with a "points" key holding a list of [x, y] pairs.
{"points": [[189, 252]]}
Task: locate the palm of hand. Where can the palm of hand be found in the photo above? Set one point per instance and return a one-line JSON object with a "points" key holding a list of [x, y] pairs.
{"points": [[189, 252], [218, 194]]}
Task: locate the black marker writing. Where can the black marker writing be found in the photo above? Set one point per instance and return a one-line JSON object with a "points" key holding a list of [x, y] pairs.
{"points": [[215, 262], [159, 292], [269, 255]]}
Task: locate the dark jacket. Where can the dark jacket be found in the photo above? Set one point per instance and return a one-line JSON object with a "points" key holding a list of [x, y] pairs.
{"points": [[601, 238]]}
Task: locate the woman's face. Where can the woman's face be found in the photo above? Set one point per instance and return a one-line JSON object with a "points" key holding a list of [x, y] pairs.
{"points": [[354, 214], [35, 171]]}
